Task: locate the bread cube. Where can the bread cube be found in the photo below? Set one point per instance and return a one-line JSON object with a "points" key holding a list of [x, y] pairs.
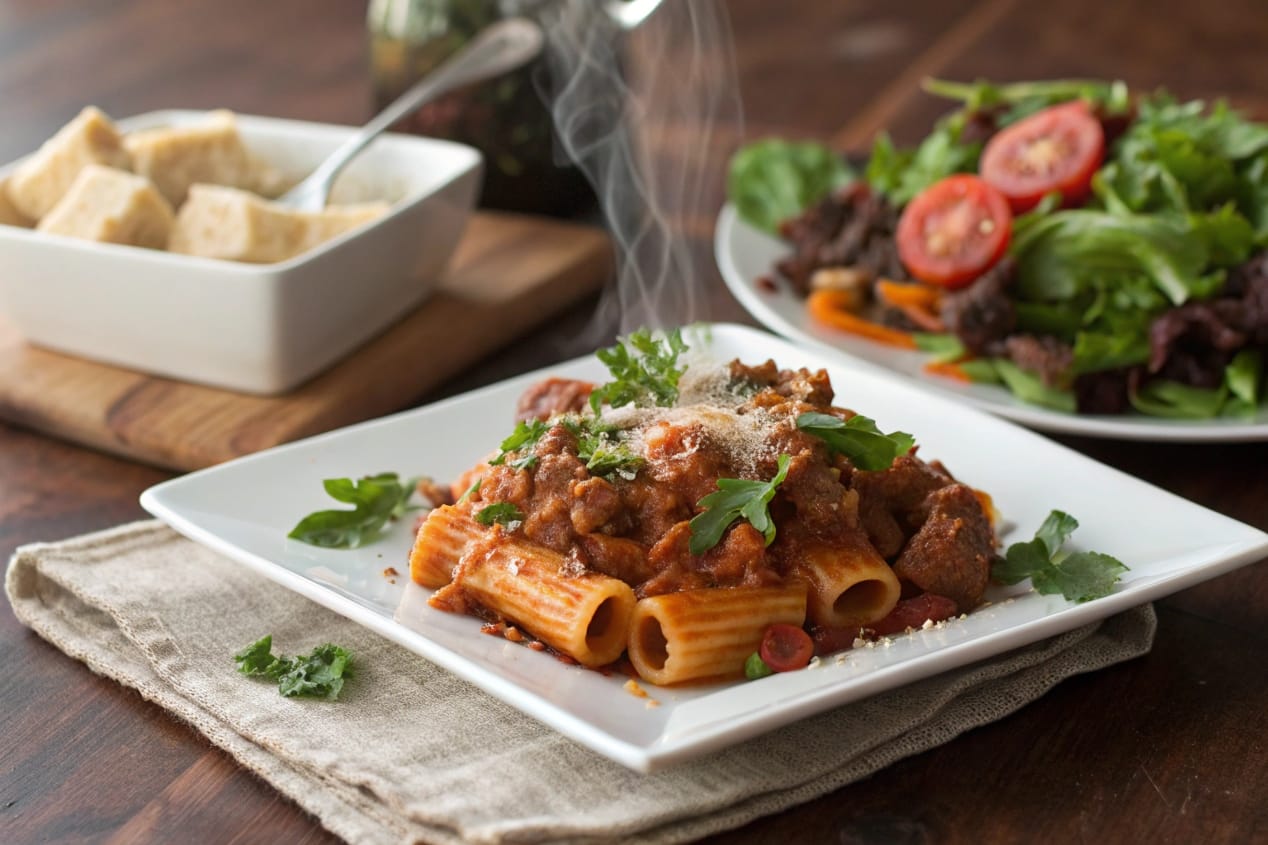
{"points": [[334, 220], [9, 214], [39, 182], [111, 206], [220, 222], [175, 157]]}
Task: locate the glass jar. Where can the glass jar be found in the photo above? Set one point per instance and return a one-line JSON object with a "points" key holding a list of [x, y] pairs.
{"points": [[503, 117]]}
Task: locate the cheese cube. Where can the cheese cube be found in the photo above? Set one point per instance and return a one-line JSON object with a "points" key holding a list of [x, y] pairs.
{"points": [[40, 181], [174, 158], [219, 222], [111, 206], [9, 215]]}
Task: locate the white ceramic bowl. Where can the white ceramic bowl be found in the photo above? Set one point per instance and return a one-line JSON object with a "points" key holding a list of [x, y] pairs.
{"points": [[257, 328]]}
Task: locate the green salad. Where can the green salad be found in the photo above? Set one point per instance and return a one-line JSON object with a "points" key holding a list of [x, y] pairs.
{"points": [[1092, 249]]}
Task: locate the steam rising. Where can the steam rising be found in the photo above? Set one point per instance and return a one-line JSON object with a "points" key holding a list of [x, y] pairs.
{"points": [[637, 112]]}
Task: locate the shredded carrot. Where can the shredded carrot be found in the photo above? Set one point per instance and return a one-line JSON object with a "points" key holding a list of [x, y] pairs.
{"points": [[947, 370], [830, 308], [923, 319], [899, 294]]}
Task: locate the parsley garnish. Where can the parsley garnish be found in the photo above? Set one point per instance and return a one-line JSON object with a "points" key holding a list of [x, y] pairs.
{"points": [[505, 514], [1080, 576], [471, 491], [736, 498], [376, 500], [858, 439], [755, 667], [525, 436], [318, 675], [648, 375]]}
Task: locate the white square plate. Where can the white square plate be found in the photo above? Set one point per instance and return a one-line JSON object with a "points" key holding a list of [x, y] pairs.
{"points": [[245, 508]]}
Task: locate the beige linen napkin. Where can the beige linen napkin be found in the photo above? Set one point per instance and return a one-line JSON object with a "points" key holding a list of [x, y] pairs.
{"points": [[410, 753]]}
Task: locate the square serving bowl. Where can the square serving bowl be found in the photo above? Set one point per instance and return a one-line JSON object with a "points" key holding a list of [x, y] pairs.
{"points": [[255, 328]]}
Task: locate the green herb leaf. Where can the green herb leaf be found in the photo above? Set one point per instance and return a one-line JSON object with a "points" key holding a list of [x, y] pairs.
{"points": [[942, 347], [1068, 252], [256, 658], [858, 439], [320, 674], [736, 498], [1095, 351], [755, 667], [525, 436], [471, 491], [1030, 388], [980, 371], [979, 95], [377, 499], [644, 370], [1244, 376], [771, 181], [901, 174], [1166, 398], [505, 514], [1080, 577]]}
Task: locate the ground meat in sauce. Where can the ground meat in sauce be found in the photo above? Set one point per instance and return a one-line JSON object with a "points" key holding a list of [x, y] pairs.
{"points": [[553, 396], [638, 529]]}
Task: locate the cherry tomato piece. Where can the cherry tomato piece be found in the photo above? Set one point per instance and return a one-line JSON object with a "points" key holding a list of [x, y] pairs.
{"points": [[786, 647], [1057, 149], [912, 613], [954, 230]]}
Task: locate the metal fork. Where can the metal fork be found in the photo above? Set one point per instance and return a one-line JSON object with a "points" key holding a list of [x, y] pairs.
{"points": [[500, 47]]}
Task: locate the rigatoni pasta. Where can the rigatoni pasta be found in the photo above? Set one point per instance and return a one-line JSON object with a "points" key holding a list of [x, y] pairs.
{"points": [[699, 634], [681, 514], [850, 585]]}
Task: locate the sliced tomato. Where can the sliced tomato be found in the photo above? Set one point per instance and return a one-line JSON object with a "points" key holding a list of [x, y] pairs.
{"points": [[954, 230], [1057, 149], [786, 647]]}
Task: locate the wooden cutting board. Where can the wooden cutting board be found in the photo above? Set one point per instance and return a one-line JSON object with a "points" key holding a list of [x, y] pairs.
{"points": [[509, 273]]}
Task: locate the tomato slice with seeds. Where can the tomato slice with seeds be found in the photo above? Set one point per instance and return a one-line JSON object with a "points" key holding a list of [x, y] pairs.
{"points": [[953, 231], [785, 647], [1057, 149]]}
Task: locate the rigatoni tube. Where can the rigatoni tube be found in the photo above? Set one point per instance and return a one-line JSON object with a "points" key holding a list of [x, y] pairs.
{"points": [[698, 635]]}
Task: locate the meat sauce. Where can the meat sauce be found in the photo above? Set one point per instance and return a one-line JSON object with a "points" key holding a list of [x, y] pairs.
{"points": [[735, 423]]}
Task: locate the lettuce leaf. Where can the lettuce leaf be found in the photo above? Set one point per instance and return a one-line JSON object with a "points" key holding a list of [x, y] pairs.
{"points": [[773, 180]]}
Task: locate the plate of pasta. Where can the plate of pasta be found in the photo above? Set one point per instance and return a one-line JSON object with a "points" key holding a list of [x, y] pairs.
{"points": [[679, 544]]}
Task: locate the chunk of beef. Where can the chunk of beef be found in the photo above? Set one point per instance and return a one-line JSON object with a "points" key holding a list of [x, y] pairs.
{"points": [[890, 501], [1045, 356], [1103, 392], [951, 554], [851, 228], [981, 315], [1194, 342]]}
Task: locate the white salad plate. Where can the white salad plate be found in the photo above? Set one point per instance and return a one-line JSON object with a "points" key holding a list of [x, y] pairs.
{"points": [[245, 508], [746, 254]]}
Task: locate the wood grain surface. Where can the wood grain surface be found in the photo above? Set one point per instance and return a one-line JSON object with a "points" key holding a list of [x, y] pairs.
{"points": [[509, 273], [1169, 748]]}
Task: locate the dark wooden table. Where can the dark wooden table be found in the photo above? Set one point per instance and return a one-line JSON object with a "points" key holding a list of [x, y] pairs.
{"points": [[1168, 748]]}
